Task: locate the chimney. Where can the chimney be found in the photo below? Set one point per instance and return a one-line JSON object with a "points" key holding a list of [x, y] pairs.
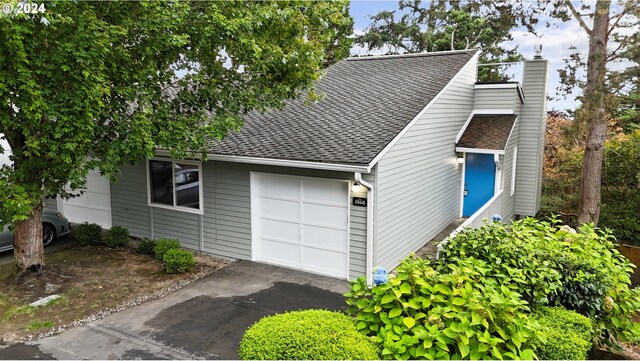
{"points": [[532, 118]]}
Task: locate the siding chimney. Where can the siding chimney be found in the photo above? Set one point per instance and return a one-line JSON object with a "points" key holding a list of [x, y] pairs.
{"points": [[532, 118]]}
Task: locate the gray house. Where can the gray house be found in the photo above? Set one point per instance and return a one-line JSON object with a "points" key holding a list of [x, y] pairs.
{"points": [[398, 149]]}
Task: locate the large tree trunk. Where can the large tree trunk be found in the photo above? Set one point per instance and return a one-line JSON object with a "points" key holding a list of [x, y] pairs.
{"points": [[27, 243], [594, 102]]}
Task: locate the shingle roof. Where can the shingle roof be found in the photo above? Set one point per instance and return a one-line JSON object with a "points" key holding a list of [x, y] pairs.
{"points": [[366, 102], [487, 132]]}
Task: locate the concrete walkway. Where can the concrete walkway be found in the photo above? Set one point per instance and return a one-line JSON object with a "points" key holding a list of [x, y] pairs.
{"points": [[429, 250], [205, 320]]}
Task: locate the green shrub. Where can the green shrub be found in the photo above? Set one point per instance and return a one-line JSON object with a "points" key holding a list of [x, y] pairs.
{"points": [[116, 237], [520, 256], [457, 314], [163, 245], [178, 261], [89, 233], [619, 212], [146, 246], [306, 335], [564, 334], [581, 271]]}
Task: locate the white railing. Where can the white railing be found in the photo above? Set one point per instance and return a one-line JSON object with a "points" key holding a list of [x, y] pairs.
{"points": [[493, 206]]}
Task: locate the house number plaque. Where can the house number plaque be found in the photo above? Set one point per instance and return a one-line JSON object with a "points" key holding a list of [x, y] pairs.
{"points": [[359, 201]]}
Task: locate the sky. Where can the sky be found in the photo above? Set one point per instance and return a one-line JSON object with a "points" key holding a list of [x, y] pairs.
{"points": [[555, 41]]}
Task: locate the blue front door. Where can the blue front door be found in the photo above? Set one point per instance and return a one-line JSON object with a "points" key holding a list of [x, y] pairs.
{"points": [[479, 181]]}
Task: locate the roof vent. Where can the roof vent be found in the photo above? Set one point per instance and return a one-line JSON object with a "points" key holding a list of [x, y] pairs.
{"points": [[537, 49]]}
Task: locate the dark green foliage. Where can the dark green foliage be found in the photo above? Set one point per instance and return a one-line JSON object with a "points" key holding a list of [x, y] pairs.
{"points": [[593, 276], [178, 261], [519, 256], [89, 233], [147, 246], [163, 245], [117, 236], [453, 313], [306, 335], [564, 335]]}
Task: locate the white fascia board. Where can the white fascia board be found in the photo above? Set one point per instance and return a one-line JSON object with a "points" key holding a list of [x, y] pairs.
{"points": [[424, 110], [479, 151], [284, 163], [464, 127], [497, 86], [515, 122], [504, 111]]}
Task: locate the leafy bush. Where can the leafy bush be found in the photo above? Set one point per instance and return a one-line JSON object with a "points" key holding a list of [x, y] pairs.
{"points": [[178, 261], [564, 334], [163, 245], [457, 314], [89, 233], [520, 256], [116, 237], [619, 212], [146, 246], [594, 277], [306, 335]]}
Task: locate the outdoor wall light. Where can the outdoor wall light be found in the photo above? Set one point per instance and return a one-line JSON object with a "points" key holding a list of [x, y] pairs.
{"points": [[357, 188], [460, 158]]}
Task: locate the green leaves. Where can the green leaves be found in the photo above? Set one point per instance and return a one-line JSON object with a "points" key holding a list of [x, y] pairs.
{"points": [[451, 315]]}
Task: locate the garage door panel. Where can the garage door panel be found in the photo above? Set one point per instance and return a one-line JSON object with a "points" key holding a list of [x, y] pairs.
{"points": [[323, 214], [279, 252], [325, 237], [94, 205], [98, 201], [279, 229], [323, 261], [324, 191], [279, 208], [279, 186], [301, 222]]}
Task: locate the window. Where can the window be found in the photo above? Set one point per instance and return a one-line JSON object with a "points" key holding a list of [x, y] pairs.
{"points": [[513, 169], [175, 184]]}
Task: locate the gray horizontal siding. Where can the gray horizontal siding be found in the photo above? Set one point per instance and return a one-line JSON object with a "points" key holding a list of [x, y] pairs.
{"points": [[418, 180], [501, 98], [129, 201], [509, 201], [531, 138], [51, 204], [226, 220]]}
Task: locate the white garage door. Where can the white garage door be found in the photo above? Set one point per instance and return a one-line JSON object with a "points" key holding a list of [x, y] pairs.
{"points": [[94, 206], [301, 222]]}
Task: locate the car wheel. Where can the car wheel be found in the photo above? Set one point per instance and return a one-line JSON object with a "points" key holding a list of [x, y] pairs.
{"points": [[48, 234]]}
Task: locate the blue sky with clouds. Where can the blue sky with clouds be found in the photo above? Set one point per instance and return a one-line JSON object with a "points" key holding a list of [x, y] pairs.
{"points": [[556, 43]]}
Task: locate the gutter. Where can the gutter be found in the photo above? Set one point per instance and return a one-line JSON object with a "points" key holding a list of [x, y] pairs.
{"points": [[370, 198]]}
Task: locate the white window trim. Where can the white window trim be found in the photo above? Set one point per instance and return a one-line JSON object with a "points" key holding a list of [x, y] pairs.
{"points": [[514, 164], [200, 210]]}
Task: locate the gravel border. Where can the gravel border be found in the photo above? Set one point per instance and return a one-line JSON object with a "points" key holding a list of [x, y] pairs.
{"points": [[210, 266]]}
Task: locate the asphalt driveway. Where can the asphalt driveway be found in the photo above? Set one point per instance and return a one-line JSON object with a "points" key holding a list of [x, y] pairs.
{"points": [[205, 320]]}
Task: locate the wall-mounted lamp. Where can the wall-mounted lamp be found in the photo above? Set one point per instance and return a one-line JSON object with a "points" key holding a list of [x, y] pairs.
{"points": [[357, 188], [460, 158]]}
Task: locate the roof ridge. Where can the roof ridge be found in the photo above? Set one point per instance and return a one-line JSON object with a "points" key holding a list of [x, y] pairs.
{"points": [[410, 55]]}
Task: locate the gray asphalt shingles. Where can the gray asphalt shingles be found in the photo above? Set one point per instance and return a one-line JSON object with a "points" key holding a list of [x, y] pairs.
{"points": [[366, 103], [487, 132]]}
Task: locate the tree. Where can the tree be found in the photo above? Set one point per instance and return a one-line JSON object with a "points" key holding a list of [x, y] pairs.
{"points": [[597, 92], [89, 85], [440, 25]]}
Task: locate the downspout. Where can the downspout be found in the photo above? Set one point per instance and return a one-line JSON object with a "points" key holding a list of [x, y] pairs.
{"points": [[370, 198]]}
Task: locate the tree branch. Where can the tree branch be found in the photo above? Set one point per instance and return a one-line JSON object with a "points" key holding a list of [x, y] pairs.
{"points": [[614, 54], [577, 16], [618, 17]]}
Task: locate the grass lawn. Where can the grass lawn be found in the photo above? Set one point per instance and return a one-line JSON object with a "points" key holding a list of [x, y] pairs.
{"points": [[93, 281]]}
